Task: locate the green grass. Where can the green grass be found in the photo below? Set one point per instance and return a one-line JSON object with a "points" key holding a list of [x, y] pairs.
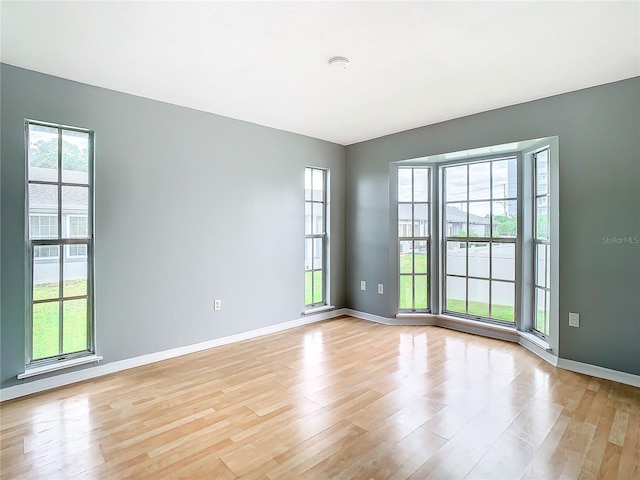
{"points": [[481, 309], [46, 319], [313, 294]]}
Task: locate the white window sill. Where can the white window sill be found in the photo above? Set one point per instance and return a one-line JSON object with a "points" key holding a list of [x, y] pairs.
{"points": [[415, 315], [478, 323], [536, 340], [32, 372], [323, 308]]}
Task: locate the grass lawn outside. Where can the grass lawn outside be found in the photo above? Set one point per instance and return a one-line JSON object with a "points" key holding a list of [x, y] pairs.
{"points": [[46, 319], [312, 294]]}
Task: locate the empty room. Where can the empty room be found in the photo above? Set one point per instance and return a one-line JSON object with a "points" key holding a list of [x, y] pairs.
{"points": [[320, 240]]}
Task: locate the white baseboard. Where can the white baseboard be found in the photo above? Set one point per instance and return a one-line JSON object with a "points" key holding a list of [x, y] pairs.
{"points": [[60, 380], [538, 349], [48, 383], [600, 372], [408, 320]]}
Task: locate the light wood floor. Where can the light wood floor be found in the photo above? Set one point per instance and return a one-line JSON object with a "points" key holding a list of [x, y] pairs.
{"points": [[342, 399]]}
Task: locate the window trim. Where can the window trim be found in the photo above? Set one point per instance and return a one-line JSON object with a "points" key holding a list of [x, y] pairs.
{"points": [[413, 238], [61, 360], [324, 237], [490, 240]]}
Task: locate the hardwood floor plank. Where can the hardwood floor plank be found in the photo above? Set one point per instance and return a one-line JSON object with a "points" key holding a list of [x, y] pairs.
{"points": [[338, 399]]}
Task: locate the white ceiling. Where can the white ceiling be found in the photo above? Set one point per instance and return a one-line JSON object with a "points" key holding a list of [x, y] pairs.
{"points": [[412, 63]]}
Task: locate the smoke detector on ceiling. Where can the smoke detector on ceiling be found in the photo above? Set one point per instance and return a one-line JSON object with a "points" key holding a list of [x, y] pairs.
{"points": [[339, 63]]}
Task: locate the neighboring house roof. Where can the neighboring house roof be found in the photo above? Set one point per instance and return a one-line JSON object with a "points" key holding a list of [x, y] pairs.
{"points": [[454, 215], [45, 197]]}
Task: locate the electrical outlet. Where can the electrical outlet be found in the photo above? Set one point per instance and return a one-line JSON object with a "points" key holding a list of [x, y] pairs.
{"points": [[574, 320], [363, 285], [380, 289], [217, 305]]}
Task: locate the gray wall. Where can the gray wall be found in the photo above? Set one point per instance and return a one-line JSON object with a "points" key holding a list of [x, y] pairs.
{"points": [[190, 207], [599, 131]]}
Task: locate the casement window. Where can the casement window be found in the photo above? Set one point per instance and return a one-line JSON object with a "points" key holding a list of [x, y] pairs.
{"points": [[60, 320], [315, 239], [413, 238]]}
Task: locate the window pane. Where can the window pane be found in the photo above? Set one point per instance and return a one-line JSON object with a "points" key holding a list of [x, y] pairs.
{"points": [[456, 294], [406, 256], [455, 183], [318, 185], [422, 301], [308, 287], [75, 200], [404, 185], [404, 220], [307, 184], [308, 219], [43, 226], [542, 173], [420, 220], [480, 181], [479, 219], [77, 226], [420, 256], [457, 258], [505, 220], [505, 178], [43, 211], [75, 157], [46, 329], [317, 286], [503, 301], [540, 309], [74, 332], [318, 219], [317, 253], [406, 292], [308, 253], [74, 272], [456, 219], [46, 276], [541, 277], [45, 252], [478, 256], [542, 218], [547, 312], [503, 261], [548, 271], [420, 185], [478, 297], [43, 153]]}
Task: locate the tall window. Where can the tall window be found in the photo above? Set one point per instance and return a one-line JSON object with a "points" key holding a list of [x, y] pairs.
{"points": [[60, 242], [315, 239], [413, 238], [541, 264], [480, 218]]}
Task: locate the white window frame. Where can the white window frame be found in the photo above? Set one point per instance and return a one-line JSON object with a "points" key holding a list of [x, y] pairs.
{"points": [[35, 366], [404, 237], [314, 235], [524, 297], [489, 239]]}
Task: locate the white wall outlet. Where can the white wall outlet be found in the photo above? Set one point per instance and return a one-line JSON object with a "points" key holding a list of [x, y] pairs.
{"points": [[574, 320], [217, 305], [380, 289], [363, 285]]}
